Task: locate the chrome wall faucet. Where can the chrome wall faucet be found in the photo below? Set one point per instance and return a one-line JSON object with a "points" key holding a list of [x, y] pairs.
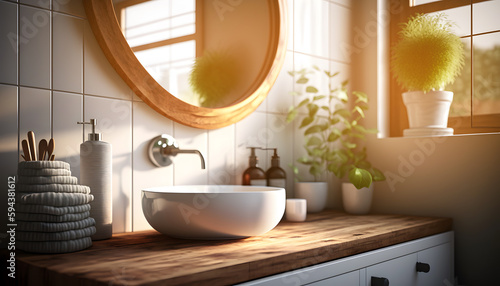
{"points": [[163, 147]]}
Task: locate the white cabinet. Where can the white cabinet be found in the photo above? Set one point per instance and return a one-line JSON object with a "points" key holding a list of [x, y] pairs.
{"points": [[346, 279], [396, 265], [435, 267], [397, 271], [440, 260]]}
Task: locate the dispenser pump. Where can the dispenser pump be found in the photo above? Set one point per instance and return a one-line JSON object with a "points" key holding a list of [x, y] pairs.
{"points": [[93, 136], [252, 160], [275, 159]]}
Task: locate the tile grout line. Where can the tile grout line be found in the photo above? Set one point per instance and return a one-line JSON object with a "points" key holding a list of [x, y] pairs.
{"points": [[82, 117], [51, 99], [18, 8]]}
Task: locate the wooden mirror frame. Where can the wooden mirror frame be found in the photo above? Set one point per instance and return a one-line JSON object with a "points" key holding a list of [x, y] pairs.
{"points": [[104, 24]]}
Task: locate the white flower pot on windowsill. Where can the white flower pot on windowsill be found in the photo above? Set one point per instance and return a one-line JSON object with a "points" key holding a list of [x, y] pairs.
{"points": [[428, 113]]}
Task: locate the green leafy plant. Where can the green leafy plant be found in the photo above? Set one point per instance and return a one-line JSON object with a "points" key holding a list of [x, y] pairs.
{"points": [[428, 56], [332, 131]]}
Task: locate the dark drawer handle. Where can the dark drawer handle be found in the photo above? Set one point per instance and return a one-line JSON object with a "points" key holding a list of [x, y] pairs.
{"points": [[380, 281], [423, 267]]}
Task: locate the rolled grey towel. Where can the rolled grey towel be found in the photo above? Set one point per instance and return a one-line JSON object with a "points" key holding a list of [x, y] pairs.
{"points": [[43, 165], [43, 209], [55, 236], [51, 218], [43, 172], [55, 246], [54, 226], [54, 199], [53, 188], [44, 180]]}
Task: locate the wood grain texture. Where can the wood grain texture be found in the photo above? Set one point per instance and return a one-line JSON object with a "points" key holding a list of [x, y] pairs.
{"points": [[150, 258]]}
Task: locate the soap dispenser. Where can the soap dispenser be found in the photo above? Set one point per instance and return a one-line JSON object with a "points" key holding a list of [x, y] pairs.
{"points": [[276, 176], [254, 175], [95, 172]]}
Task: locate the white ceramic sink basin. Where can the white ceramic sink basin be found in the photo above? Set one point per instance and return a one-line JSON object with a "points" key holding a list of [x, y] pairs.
{"points": [[212, 211]]}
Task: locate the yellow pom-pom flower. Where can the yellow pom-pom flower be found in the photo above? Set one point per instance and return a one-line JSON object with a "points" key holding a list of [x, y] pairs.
{"points": [[428, 56], [213, 77]]}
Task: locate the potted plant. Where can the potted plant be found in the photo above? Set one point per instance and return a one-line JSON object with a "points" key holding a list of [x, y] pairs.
{"points": [[427, 57], [213, 77], [333, 133]]}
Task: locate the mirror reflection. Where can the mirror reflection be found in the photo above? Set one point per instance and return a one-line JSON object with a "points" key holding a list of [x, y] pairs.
{"points": [[205, 52]]}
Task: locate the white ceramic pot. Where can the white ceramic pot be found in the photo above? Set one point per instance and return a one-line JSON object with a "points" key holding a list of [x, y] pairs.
{"points": [[356, 201], [428, 113], [428, 109], [315, 193]]}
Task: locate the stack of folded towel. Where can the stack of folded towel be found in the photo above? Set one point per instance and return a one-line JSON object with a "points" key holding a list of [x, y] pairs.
{"points": [[52, 210]]}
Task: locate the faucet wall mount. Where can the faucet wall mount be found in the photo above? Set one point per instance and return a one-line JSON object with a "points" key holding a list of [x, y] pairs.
{"points": [[163, 147]]}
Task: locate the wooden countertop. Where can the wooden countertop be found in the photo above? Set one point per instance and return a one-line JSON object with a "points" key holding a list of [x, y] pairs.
{"points": [[150, 258]]}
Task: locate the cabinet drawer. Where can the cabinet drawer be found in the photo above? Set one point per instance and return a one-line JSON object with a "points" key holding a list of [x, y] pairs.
{"points": [[399, 271], [347, 279], [440, 260], [436, 268]]}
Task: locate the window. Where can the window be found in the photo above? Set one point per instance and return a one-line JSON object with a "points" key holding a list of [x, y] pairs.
{"points": [[476, 102], [165, 38]]}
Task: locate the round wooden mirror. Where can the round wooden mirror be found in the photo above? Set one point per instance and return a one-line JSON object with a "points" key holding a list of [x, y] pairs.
{"points": [[102, 19]]}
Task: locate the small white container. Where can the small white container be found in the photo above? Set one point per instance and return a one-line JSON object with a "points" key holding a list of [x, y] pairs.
{"points": [[296, 209]]}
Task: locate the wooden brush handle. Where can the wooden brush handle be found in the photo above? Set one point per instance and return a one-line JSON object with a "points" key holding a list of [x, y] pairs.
{"points": [[31, 141], [42, 149], [26, 150]]}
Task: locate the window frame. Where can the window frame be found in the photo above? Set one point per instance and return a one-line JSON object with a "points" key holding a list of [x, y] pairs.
{"points": [[398, 116], [197, 36]]}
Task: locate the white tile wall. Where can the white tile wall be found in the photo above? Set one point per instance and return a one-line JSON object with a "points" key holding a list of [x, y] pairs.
{"points": [[100, 77], [67, 111], [42, 4], [147, 124], [8, 46], [72, 7], [8, 132], [35, 113], [68, 53], [311, 27], [279, 98], [221, 156], [84, 86], [35, 47], [340, 40]]}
